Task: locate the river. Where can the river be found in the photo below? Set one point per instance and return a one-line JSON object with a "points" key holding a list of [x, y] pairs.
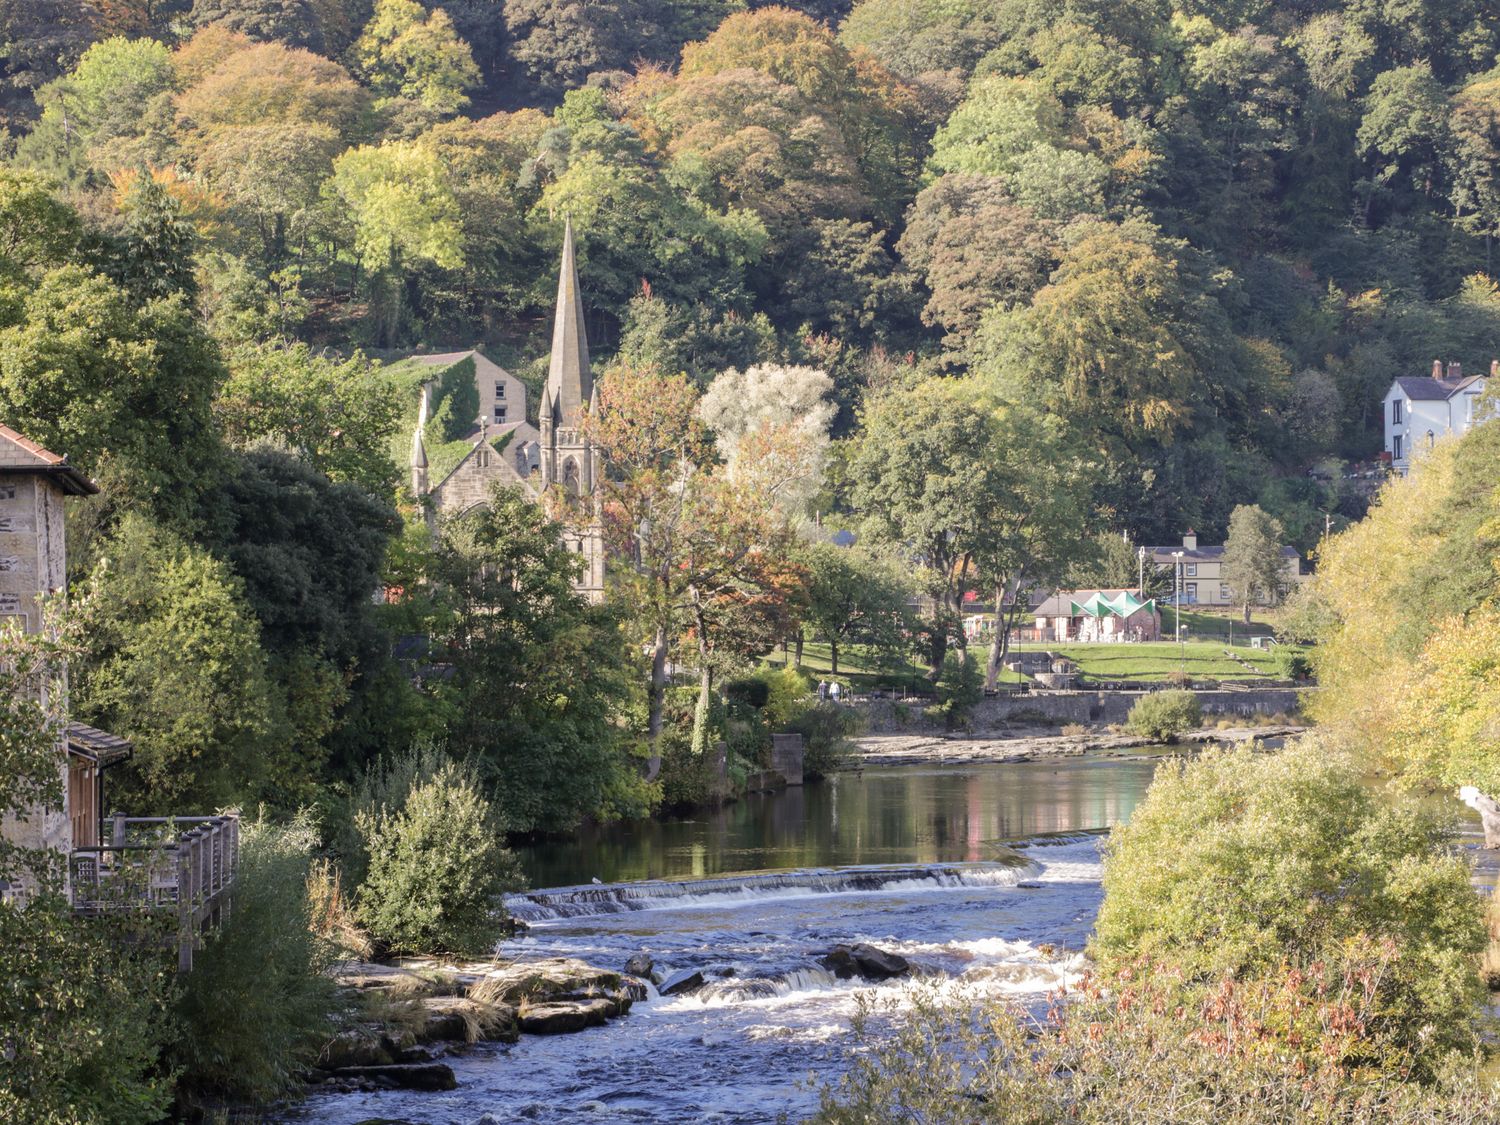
{"points": [[986, 874]]}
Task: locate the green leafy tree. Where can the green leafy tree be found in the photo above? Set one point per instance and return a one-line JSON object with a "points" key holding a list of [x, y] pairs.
{"points": [[855, 598], [406, 51], [125, 389], [926, 478], [105, 99], [174, 664], [542, 733], [400, 207], [1163, 716], [1254, 567], [338, 414]]}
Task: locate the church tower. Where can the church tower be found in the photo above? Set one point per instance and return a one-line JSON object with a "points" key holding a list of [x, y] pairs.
{"points": [[568, 459]]}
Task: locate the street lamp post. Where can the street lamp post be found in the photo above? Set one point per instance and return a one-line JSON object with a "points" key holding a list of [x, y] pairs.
{"points": [[1140, 579], [1177, 591]]}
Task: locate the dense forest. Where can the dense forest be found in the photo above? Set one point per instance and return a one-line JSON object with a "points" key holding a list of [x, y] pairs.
{"points": [[1035, 271]]}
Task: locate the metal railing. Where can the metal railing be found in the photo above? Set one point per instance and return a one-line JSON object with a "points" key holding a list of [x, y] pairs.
{"points": [[184, 864]]}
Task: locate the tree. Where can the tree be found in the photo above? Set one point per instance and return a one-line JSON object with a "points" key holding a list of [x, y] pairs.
{"points": [[293, 22], [925, 476], [108, 96], [918, 39], [270, 84], [706, 544], [1254, 567], [854, 598], [976, 249], [741, 406], [1404, 128], [405, 51], [125, 389], [339, 415], [873, 113], [398, 202], [173, 662], [1237, 863], [539, 676]]}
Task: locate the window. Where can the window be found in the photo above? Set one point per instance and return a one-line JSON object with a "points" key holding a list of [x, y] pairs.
{"points": [[499, 391], [7, 492], [1192, 593], [1223, 592], [499, 415], [1192, 570], [1395, 412], [1396, 447]]}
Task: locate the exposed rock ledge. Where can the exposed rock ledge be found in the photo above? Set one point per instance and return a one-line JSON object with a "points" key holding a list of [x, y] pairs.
{"points": [[926, 749], [408, 1014]]}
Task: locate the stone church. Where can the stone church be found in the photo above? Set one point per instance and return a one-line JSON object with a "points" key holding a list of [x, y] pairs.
{"points": [[507, 450]]}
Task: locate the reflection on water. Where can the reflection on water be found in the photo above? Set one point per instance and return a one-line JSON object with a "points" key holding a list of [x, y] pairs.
{"points": [[899, 814]]}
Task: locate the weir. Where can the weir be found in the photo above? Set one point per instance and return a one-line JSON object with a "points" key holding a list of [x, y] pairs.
{"points": [[656, 894]]}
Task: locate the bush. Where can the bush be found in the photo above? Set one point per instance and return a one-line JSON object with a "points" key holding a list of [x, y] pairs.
{"points": [[436, 866], [960, 688], [1289, 1049], [1239, 862], [257, 1006], [749, 691], [84, 1017], [1163, 715], [1293, 663], [825, 729]]}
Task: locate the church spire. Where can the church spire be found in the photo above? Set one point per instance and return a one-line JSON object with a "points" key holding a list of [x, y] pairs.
{"points": [[569, 380]]}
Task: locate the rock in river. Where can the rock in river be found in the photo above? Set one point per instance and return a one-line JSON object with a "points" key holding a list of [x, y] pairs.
{"points": [[565, 1016], [863, 960], [405, 1076], [681, 983]]}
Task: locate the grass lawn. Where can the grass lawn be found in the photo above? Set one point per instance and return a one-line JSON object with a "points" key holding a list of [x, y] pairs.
{"points": [[1155, 662], [1221, 624], [861, 672]]}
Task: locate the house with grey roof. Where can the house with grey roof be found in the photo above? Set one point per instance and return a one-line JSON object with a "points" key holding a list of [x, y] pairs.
{"points": [[1202, 577], [1419, 410]]}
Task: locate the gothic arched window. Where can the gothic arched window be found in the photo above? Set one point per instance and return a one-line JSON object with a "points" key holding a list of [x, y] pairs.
{"points": [[570, 476]]}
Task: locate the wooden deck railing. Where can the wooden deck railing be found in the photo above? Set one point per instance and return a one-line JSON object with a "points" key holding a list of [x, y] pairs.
{"points": [[185, 864]]}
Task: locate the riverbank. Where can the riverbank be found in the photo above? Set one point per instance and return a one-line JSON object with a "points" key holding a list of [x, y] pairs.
{"points": [[1026, 746]]}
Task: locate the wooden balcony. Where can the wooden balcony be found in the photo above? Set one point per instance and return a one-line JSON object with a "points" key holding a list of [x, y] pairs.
{"points": [[184, 865]]}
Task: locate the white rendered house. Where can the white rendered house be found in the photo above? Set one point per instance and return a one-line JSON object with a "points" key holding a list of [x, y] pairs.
{"points": [[1419, 410]]}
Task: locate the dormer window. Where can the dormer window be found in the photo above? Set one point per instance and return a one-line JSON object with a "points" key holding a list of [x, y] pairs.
{"points": [[1396, 412]]}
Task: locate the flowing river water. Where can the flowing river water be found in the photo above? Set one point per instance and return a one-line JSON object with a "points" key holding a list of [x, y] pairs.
{"points": [[986, 874]]}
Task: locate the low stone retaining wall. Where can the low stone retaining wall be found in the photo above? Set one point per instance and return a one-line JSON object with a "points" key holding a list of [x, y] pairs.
{"points": [[1086, 707], [1114, 706]]}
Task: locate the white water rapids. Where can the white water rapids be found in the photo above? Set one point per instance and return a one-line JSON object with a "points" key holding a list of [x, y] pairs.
{"points": [[770, 1024]]}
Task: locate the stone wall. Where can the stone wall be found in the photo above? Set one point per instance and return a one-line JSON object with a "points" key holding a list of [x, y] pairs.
{"points": [[786, 757], [1096, 707]]}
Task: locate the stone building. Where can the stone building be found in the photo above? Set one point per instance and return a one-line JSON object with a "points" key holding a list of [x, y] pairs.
{"points": [[553, 458]]}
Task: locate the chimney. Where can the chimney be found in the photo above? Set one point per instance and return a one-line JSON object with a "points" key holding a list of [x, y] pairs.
{"points": [[1190, 540], [1437, 369], [1455, 371]]}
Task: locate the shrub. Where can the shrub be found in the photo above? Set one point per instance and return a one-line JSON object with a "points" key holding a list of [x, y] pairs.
{"points": [[1293, 663], [436, 867], [257, 1006], [84, 1016], [749, 691], [825, 729], [960, 688], [1163, 715], [1289, 1048], [1239, 862]]}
